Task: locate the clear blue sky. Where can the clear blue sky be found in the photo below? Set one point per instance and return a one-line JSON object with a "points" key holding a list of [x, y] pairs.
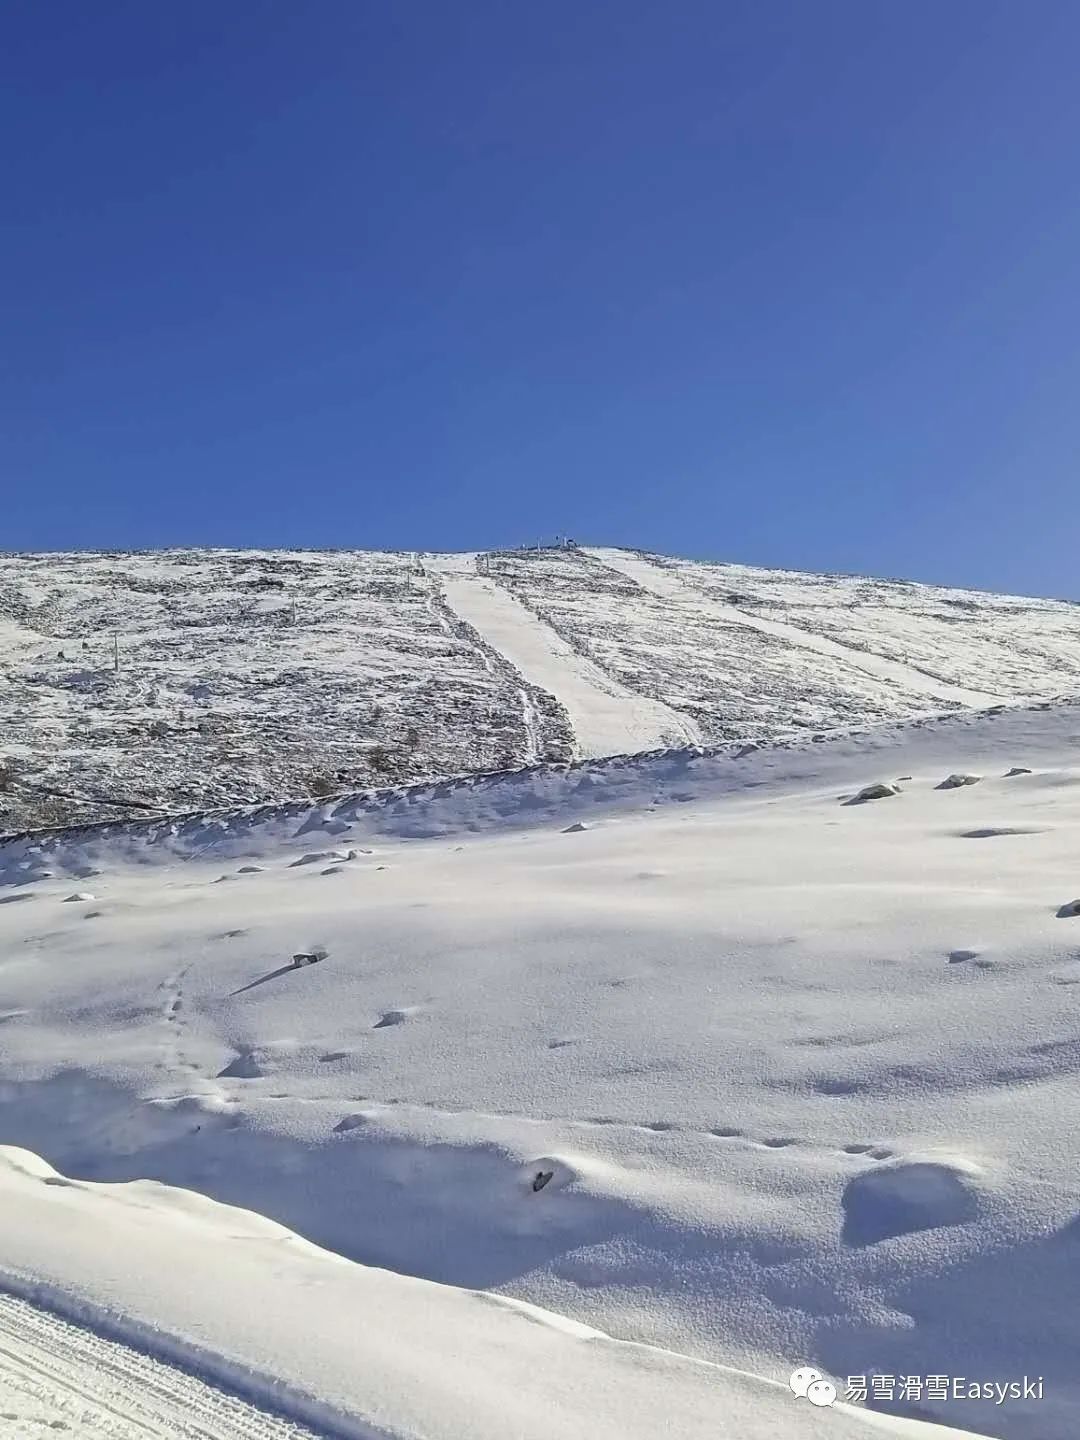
{"points": [[793, 283]]}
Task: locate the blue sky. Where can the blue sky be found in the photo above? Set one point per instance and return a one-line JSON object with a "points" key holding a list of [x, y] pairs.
{"points": [[787, 283]]}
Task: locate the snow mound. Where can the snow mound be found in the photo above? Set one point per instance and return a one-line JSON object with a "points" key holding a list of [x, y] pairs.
{"points": [[903, 1196]]}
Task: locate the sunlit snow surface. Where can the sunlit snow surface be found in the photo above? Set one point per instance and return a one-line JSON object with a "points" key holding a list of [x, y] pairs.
{"points": [[800, 1072]]}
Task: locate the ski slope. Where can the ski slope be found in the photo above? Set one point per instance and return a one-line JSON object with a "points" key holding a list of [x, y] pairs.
{"points": [[607, 718], [965, 638], [721, 1071], [669, 585]]}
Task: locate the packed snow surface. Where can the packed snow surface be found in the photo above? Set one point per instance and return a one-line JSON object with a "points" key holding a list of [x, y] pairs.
{"points": [[55, 1376], [180, 679], [653, 1079]]}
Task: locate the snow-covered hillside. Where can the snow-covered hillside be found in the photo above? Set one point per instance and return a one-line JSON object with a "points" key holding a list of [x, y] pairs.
{"points": [[722, 1068], [181, 679]]}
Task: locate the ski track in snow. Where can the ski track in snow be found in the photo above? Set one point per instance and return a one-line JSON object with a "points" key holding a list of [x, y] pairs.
{"points": [[667, 586], [60, 1379], [438, 613], [607, 718], [531, 721]]}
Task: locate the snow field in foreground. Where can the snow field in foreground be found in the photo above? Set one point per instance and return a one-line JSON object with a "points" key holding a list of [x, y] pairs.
{"points": [[801, 1072], [355, 1352]]}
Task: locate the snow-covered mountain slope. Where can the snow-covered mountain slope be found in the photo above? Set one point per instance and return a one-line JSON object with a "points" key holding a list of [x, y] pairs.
{"points": [[186, 678], [697, 1050]]}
